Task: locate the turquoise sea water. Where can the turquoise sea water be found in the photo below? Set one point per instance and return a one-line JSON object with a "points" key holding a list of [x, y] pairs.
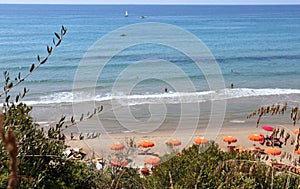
{"points": [[256, 47]]}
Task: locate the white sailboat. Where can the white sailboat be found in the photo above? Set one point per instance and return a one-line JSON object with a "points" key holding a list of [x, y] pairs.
{"points": [[126, 13]]}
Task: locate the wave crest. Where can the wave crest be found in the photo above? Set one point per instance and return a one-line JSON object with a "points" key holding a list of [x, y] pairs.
{"points": [[168, 98]]}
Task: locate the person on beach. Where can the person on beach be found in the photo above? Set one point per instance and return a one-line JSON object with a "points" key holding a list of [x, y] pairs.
{"points": [[166, 90], [81, 137], [231, 86]]}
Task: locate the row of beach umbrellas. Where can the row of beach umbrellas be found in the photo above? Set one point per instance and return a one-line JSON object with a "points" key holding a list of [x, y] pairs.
{"points": [[198, 140], [154, 160]]}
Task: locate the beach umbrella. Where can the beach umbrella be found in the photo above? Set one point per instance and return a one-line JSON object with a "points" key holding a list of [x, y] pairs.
{"points": [[146, 144], [119, 162], [174, 142], [296, 131], [267, 128], [229, 139], [200, 140], [152, 160], [117, 146], [256, 137], [297, 151], [272, 151]]}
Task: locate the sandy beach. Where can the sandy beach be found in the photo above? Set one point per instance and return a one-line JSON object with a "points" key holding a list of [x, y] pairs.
{"points": [[161, 122], [100, 146]]}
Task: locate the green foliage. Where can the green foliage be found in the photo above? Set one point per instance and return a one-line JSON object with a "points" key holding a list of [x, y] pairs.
{"points": [[41, 163], [41, 160], [214, 168], [120, 178]]}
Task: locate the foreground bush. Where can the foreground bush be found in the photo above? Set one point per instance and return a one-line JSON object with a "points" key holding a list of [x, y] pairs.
{"points": [[214, 168], [40, 156], [29, 156]]}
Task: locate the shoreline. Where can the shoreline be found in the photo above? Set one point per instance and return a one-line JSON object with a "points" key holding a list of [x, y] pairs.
{"points": [[149, 122]]}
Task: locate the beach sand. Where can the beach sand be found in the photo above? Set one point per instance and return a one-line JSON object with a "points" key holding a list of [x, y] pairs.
{"points": [[100, 146], [177, 121]]}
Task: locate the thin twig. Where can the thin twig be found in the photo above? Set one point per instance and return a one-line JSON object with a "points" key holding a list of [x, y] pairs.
{"points": [[63, 32]]}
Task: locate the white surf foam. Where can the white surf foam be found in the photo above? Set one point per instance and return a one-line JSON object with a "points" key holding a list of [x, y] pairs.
{"points": [[171, 98]]}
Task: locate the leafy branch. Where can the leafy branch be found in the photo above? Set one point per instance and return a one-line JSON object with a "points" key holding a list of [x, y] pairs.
{"points": [[74, 122], [274, 109], [9, 84], [7, 135]]}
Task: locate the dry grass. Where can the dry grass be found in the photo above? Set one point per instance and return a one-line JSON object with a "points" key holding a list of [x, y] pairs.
{"points": [[10, 142]]}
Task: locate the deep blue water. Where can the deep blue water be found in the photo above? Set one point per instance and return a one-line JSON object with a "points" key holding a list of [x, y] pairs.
{"points": [[256, 47]]}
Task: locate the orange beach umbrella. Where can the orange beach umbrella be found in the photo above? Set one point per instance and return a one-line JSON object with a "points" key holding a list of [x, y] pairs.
{"points": [[174, 142], [297, 151], [229, 139], [117, 146], [256, 137], [272, 151], [146, 144], [119, 163], [200, 140], [152, 160], [296, 131]]}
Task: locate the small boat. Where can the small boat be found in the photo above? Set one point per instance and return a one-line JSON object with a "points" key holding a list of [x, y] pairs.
{"points": [[126, 13]]}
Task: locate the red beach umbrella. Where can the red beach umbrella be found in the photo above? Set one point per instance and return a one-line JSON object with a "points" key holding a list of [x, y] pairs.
{"points": [[119, 163], [229, 139], [152, 160], [174, 142], [146, 144], [200, 140], [117, 146], [256, 137], [272, 151], [267, 128]]}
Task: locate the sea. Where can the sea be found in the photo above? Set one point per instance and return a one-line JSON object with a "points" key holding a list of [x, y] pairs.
{"points": [[255, 50]]}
